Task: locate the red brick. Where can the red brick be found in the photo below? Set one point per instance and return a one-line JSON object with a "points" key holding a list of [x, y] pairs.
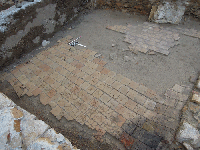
{"points": [[75, 89], [46, 53], [130, 104], [37, 71], [133, 85], [120, 120], [99, 68], [14, 71], [96, 74], [79, 81], [58, 69], [44, 99], [36, 91], [20, 66], [150, 93], [49, 80], [44, 67], [51, 93], [124, 89], [102, 63], [105, 71], [94, 81], [127, 140], [74, 62], [96, 60], [79, 65], [76, 71]]}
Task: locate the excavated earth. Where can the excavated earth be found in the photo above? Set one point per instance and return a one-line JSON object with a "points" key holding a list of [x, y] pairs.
{"points": [[155, 79]]}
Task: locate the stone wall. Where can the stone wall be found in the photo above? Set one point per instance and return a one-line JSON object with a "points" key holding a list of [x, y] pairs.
{"points": [[23, 29], [144, 6]]}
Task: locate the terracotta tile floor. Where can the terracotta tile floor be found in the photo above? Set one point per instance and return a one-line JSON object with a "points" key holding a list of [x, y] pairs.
{"points": [[79, 87]]}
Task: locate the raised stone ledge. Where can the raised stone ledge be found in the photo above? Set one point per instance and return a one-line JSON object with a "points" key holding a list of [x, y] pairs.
{"points": [[21, 130], [23, 29], [188, 133]]}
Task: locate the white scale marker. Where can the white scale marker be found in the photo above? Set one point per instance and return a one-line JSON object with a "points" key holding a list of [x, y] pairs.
{"points": [[81, 45]]}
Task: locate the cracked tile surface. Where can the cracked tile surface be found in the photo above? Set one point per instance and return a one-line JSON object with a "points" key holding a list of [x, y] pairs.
{"points": [[147, 37]]}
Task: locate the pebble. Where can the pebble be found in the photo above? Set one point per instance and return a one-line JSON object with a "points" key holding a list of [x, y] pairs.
{"points": [[45, 43], [113, 56], [193, 78], [198, 84], [127, 58], [97, 55]]}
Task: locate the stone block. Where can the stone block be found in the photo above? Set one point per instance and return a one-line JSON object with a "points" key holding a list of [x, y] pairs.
{"points": [[129, 127], [130, 104], [160, 108], [188, 146], [127, 140], [194, 107], [178, 88], [9, 130], [196, 98], [124, 90], [171, 112], [139, 145], [188, 133], [198, 84], [141, 89], [149, 104], [169, 13], [5, 101], [140, 99], [149, 126], [32, 129], [149, 139]]}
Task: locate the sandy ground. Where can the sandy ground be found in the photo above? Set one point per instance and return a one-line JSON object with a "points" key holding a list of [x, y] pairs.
{"points": [[158, 72]]}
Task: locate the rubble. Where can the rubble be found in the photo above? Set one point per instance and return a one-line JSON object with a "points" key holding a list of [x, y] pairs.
{"points": [[188, 133], [97, 55], [20, 129], [36, 40], [167, 13], [45, 43], [113, 45]]}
